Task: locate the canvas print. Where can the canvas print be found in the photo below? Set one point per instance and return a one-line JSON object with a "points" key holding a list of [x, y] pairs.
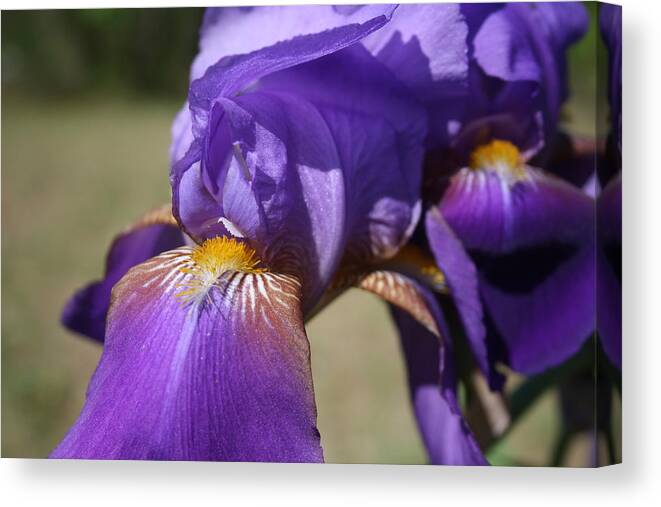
{"points": [[313, 233]]}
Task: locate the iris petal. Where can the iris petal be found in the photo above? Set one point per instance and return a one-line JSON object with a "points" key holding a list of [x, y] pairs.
{"points": [[431, 375], [532, 238], [155, 232], [462, 278], [318, 162], [279, 183], [224, 378], [378, 130], [609, 266], [500, 213], [230, 31]]}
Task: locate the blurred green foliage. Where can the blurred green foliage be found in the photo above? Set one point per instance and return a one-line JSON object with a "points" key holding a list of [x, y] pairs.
{"points": [[59, 52]]}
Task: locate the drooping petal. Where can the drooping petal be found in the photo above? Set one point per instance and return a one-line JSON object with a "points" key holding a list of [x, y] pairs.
{"points": [[200, 372], [403, 282], [432, 382], [532, 239], [155, 232], [462, 279]]}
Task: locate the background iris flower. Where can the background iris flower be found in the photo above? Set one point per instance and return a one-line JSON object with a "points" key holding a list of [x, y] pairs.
{"points": [[527, 233]]}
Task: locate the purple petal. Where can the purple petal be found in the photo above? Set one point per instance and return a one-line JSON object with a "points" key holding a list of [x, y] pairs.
{"points": [[503, 49], [225, 377], [533, 243], [528, 42], [379, 143], [410, 46], [461, 276], [425, 46], [519, 68], [86, 311], [500, 213], [428, 353], [231, 74], [231, 31], [432, 385], [609, 266], [541, 303], [319, 159]]}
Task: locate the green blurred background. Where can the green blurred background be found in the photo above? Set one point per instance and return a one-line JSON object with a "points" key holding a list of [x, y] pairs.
{"points": [[87, 101]]}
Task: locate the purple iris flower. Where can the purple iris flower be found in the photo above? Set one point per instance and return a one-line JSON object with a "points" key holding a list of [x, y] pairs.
{"points": [[514, 241], [297, 168], [609, 201]]}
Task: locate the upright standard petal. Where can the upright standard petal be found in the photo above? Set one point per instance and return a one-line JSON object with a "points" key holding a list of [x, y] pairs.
{"points": [[426, 47], [201, 362], [314, 160], [152, 234], [378, 130], [527, 42], [271, 172]]}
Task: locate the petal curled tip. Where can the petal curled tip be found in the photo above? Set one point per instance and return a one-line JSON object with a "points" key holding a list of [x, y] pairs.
{"points": [[403, 293]]}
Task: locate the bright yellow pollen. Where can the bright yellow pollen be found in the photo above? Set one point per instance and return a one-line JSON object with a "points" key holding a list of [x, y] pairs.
{"points": [[212, 259], [220, 254], [500, 156]]}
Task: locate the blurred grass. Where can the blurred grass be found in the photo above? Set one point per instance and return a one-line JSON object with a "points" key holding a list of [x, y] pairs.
{"points": [[73, 174]]}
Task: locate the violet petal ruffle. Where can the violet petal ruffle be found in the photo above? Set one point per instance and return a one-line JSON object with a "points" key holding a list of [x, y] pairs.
{"points": [[232, 31]]}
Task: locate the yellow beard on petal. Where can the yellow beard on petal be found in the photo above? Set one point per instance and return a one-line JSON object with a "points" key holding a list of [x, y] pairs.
{"points": [[212, 259], [501, 157]]}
